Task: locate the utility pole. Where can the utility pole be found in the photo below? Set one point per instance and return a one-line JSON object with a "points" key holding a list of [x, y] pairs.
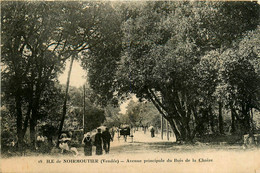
{"points": [[64, 108], [167, 130], [161, 127], [84, 111]]}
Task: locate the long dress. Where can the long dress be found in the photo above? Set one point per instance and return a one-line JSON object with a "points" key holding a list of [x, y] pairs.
{"points": [[98, 144], [88, 146]]}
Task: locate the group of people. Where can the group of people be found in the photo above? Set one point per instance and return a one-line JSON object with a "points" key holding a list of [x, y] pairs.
{"points": [[101, 141]]}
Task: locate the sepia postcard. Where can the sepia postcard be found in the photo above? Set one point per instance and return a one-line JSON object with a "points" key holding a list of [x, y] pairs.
{"points": [[130, 86]]}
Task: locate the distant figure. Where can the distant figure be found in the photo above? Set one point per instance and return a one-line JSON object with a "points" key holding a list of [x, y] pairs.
{"points": [[88, 145], [112, 133], [106, 140], [152, 132], [98, 142], [40, 142], [124, 131]]}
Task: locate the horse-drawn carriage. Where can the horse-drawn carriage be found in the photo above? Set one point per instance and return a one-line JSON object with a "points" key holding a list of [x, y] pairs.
{"points": [[124, 131]]}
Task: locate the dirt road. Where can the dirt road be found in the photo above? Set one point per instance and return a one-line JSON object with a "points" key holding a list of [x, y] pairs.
{"points": [[144, 154]]}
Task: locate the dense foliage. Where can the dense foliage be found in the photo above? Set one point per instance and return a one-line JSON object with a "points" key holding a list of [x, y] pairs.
{"points": [[178, 55], [194, 61]]}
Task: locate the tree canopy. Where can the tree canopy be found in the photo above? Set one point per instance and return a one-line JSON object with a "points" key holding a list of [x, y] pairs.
{"points": [[189, 59], [171, 55]]}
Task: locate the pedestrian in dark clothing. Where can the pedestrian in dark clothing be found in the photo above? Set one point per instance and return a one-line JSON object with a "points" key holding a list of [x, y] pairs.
{"points": [[98, 142], [88, 145], [106, 140], [152, 132]]}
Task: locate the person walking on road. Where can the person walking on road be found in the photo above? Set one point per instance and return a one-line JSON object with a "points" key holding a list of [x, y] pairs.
{"points": [[106, 140], [152, 132], [88, 145], [98, 142]]}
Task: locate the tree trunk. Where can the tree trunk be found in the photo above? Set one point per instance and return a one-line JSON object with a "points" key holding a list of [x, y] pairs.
{"points": [[247, 119], [32, 131], [34, 118], [184, 136], [189, 136], [252, 120], [25, 125], [65, 100], [19, 120], [211, 117], [185, 130], [26, 121], [175, 130], [84, 109], [220, 118], [181, 129], [233, 128], [167, 130]]}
